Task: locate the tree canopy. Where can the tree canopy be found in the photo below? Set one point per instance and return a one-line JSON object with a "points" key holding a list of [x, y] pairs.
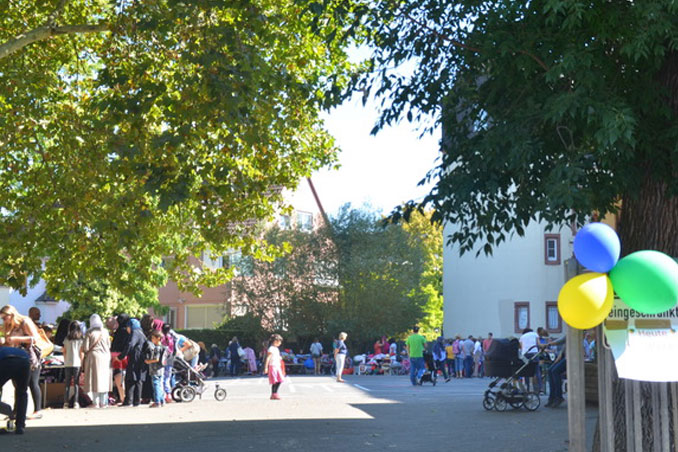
{"points": [[136, 134], [428, 236], [380, 272], [550, 109], [295, 292], [357, 276]]}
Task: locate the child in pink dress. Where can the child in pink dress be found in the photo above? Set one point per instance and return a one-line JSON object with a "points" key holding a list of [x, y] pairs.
{"points": [[273, 365]]}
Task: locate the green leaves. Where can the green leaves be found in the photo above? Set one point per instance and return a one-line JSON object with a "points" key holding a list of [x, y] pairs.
{"points": [[549, 110], [170, 134]]}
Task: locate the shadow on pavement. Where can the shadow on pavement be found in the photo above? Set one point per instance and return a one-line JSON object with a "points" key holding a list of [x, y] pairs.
{"points": [[444, 425]]}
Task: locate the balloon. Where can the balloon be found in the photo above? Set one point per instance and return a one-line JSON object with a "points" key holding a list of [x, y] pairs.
{"points": [[585, 300], [646, 281], [597, 247]]}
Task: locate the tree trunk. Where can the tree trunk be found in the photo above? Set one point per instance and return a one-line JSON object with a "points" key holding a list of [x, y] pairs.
{"points": [[649, 220]]}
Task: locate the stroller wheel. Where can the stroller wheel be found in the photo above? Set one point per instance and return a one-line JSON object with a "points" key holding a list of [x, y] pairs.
{"points": [[220, 394], [176, 393], [187, 394], [500, 403], [488, 402], [532, 401]]}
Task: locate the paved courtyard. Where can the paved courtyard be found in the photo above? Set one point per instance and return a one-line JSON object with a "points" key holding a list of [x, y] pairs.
{"points": [[315, 414]]}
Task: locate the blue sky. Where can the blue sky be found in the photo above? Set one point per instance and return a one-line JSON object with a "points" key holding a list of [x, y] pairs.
{"points": [[381, 170]]}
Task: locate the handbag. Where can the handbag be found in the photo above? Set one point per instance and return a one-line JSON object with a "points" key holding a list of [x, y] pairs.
{"points": [[241, 353], [44, 344]]}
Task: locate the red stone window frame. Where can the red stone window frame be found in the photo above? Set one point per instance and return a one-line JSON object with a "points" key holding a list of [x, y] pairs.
{"points": [[547, 238], [553, 305], [517, 306]]}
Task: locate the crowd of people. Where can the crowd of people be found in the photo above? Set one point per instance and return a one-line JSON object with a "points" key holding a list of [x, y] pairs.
{"points": [[125, 361], [128, 361], [122, 361]]}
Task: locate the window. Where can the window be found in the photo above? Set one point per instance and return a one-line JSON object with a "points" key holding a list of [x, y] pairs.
{"points": [[552, 249], [171, 317], [305, 221], [554, 324], [285, 222], [204, 316], [521, 313], [244, 265], [209, 262]]}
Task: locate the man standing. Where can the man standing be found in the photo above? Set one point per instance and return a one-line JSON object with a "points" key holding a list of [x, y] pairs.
{"points": [[14, 365], [556, 372], [415, 345], [467, 348], [35, 314]]}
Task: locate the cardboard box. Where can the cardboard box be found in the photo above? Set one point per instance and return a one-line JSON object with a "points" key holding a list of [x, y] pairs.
{"points": [[53, 394]]}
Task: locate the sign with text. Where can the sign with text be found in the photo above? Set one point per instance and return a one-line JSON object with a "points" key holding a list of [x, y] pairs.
{"points": [[643, 345]]}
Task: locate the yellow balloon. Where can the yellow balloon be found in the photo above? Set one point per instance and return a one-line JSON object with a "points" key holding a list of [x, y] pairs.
{"points": [[586, 300]]}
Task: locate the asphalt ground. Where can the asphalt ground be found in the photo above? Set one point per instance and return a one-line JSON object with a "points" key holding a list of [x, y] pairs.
{"points": [[315, 414]]}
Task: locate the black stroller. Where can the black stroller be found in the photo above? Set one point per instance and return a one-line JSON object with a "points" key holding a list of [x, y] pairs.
{"points": [[189, 383], [430, 373], [502, 360]]}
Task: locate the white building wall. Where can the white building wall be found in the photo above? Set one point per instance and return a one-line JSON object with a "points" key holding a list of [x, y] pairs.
{"points": [[50, 311], [479, 293]]}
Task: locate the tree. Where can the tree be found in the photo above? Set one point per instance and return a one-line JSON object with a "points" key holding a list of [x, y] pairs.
{"points": [[379, 272], [295, 292], [551, 110], [137, 134], [428, 235]]}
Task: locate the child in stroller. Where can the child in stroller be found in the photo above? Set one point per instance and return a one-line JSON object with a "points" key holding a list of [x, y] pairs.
{"points": [[502, 360], [430, 372]]}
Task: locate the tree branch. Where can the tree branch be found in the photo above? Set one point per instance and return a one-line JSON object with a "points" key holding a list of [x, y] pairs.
{"points": [[441, 37], [45, 32], [460, 44]]}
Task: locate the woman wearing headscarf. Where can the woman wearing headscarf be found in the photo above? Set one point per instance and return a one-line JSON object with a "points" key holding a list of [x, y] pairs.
{"points": [[147, 324], [136, 368], [120, 338], [97, 358], [121, 335], [157, 324]]}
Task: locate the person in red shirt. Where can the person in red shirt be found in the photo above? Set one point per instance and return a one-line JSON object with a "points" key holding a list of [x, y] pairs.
{"points": [[487, 342], [377, 347]]}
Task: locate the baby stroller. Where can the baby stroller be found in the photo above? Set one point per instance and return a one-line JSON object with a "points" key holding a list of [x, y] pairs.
{"points": [[502, 360], [190, 382], [430, 373]]}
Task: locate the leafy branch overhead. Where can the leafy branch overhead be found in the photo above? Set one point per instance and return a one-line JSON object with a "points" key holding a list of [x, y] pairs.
{"points": [[136, 134], [550, 109]]}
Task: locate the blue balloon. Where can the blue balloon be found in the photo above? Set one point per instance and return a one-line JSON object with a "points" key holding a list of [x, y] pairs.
{"points": [[597, 247]]}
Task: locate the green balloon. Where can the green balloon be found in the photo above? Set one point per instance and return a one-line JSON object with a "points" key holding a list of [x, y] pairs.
{"points": [[646, 281]]}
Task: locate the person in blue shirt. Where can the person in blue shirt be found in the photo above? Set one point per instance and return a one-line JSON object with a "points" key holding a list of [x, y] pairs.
{"points": [[15, 366]]}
